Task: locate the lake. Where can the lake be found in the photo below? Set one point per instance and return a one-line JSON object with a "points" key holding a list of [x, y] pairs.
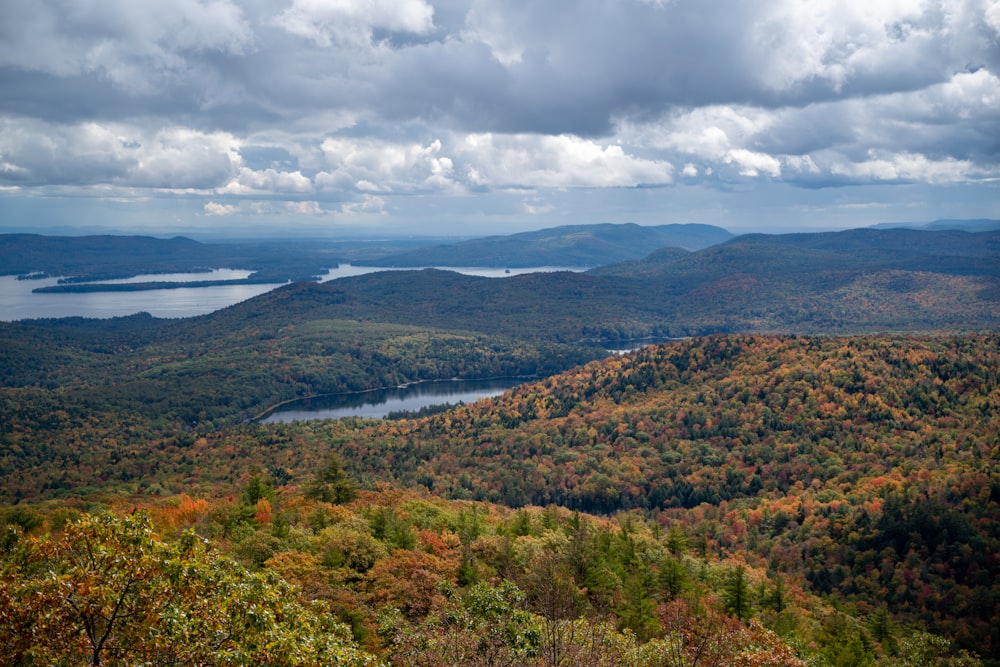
{"points": [[381, 402], [18, 302]]}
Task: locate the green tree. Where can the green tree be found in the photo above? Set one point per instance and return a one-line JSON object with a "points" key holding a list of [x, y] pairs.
{"points": [[258, 487], [673, 578], [638, 609], [677, 541], [108, 592], [777, 599], [737, 593], [881, 627], [332, 484]]}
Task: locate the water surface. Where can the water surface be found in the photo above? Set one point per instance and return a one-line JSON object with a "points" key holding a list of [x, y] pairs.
{"points": [[19, 302], [382, 402]]}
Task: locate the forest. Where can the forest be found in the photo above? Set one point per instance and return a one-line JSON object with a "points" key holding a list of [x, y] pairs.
{"points": [[785, 499], [806, 475]]}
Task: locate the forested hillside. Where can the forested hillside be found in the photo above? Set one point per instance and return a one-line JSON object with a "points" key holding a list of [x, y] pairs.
{"points": [[865, 466], [413, 580], [87, 404], [847, 282], [850, 484]]}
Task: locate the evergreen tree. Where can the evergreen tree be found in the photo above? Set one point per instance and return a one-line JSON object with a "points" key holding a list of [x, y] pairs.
{"points": [[672, 578], [638, 609], [677, 542], [778, 598], [737, 593], [332, 484]]}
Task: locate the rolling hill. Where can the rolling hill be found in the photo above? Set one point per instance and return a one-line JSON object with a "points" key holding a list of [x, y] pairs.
{"points": [[855, 281], [567, 246]]}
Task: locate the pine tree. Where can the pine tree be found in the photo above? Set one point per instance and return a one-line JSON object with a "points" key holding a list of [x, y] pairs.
{"points": [[332, 484], [737, 594]]}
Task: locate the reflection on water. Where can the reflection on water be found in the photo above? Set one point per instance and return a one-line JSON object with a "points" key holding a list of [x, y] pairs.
{"points": [[382, 402], [346, 270], [621, 347]]}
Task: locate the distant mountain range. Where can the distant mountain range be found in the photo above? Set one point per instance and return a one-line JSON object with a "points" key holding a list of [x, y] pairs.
{"points": [[973, 225], [104, 257], [861, 280], [88, 258], [567, 246]]}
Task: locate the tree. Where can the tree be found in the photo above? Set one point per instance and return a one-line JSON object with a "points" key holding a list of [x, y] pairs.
{"points": [[677, 542], [778, 597], [638, 609], [259, 487], [922, 649], [332, 484], [737, 593], [672, 578], [108, 592]]}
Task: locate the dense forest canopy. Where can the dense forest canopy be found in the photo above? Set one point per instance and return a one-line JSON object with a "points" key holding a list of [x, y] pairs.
{"points": [[861, 470]]}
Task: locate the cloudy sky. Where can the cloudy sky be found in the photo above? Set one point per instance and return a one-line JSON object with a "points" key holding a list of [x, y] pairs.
{"points": [[493, 116]]}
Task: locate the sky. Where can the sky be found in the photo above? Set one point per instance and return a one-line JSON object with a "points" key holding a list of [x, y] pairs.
{"points": [[474, 117]]}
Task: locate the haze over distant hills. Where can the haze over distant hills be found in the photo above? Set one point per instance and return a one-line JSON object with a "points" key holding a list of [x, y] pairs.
{"points": [[106, 256], [855, 281], [833, 282], [975, 225], [586, 246], [571, 245]]}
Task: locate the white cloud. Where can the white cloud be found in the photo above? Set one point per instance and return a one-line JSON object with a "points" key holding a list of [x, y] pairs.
{"points": [[383, 166], [992, 16], [366, 205], [251, 207], [709, 132], [799, 41], [117, 154], [907, 167], [137, 45], [802, 164], [537, 206], [539, 161], [217, 209], [249, 181], [751, 163], [304, 208], [183, 158]]}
